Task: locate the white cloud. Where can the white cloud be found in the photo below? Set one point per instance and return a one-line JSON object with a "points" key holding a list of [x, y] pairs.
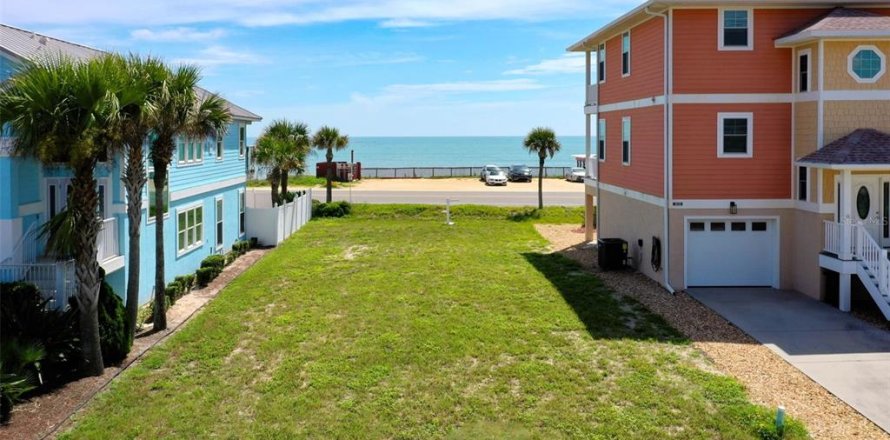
{"points": [[280, 12], [405, 23], [179, 34], [567, 63], [440, 91], [215, 56]]}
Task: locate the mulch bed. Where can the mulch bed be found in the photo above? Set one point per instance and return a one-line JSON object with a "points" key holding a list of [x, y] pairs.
{"points": [[770, 381], [45, 415]]}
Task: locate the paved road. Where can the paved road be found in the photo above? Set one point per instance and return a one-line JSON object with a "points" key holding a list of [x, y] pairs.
{"points": [[463, 197], [848, 357]]}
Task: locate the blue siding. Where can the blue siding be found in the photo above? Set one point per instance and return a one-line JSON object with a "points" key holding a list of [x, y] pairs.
{"points": [[211, 169]]}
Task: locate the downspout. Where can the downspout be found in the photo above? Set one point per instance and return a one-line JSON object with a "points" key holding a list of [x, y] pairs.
{"points": [[666, 245]]}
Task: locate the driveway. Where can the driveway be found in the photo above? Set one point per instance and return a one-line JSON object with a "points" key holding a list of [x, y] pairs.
{"points": [[848, 357]]}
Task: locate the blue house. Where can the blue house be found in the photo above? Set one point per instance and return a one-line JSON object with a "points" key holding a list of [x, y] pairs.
{"points": [[205, 196]]}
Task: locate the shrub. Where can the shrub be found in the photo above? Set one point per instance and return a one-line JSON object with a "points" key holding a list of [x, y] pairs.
{"points": [[215, 261], [333, 209], [185, 282], [205, 275], [286, 197], [241, 247], [113, 329], [27, 320], [171, 294]]}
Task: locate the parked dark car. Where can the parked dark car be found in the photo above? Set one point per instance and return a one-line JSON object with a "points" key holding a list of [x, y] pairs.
{"points": [[519, 173]]}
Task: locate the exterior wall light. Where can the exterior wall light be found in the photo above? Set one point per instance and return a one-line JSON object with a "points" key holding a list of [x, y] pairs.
{"points": [[733, 208]]}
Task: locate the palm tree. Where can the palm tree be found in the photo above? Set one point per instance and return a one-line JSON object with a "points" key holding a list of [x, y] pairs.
{"points": [[541, 141], [181, 109], [63, 111], [144, 77], [329, 139], [282, 147]]}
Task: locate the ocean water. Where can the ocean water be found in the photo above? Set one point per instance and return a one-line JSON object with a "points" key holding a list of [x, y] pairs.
{"points": [[396, 152]]}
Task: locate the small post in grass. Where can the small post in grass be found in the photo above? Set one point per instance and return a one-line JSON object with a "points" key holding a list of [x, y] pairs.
{"points": [[448, 212], [780, 420]]}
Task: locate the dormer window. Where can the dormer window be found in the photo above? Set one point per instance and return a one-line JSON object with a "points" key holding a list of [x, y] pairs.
{"points": [[736, 26]]}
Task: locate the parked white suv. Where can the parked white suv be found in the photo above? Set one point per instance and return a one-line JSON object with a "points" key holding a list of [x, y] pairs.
{"points": [[494, 175]]}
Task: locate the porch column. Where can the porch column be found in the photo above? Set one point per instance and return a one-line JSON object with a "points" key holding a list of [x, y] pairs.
{"points": [[843, 302], [588, 217], [846, 206]]}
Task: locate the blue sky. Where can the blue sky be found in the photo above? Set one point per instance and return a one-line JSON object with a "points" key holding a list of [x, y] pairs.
{"points": [[371, 68]]}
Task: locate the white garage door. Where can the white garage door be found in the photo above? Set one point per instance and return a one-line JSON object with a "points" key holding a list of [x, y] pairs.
{"points": [[732, 252]]}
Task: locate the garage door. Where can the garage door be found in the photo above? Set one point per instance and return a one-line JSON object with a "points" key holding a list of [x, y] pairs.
{"points": [[732, 252]]}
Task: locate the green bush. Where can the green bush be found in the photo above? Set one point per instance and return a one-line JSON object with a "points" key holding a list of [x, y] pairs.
{"points": [[185, 282], [241, 247], [113, 329], [205, 275], [333, 209], [215, 261], [171, 294]]}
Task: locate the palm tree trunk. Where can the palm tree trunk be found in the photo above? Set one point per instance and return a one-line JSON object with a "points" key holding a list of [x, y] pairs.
{"points": [[283, 178], [330, 174], [159, 319], [274, 179], [83, 190], [541, 183], [134, 181]]}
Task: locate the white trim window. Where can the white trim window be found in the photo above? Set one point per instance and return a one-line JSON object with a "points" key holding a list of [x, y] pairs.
{"points": [[189, 228], [601, 63], [625, 140], [735, 135], [803, 185], [190, 151], [242, 204], [804, 70], [242, 140], [736, 29], [601, 140], [150, 217], [219, 222], [220, 147], [625, 54], [866, 64]]}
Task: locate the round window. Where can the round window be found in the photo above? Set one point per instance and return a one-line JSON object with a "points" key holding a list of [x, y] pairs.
{"points": [[863, 203], [866, 64]]}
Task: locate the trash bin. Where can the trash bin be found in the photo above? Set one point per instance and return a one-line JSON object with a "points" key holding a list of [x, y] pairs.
{"points": [[611, 253]]}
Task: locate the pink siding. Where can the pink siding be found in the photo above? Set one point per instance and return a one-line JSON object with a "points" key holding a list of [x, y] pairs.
{"points": [[646, 65], [646, 170], [700, 174]]}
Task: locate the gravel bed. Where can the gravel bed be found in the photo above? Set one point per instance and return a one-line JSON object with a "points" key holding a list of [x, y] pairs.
{"points": [[770, 381], [45, 415]]}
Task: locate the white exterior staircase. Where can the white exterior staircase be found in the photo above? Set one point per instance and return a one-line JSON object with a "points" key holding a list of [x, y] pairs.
{"points": [[853, 244]]}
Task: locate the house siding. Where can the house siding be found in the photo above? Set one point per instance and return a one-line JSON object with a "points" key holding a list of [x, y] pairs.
{"points": [[646, 170], [806, 128], [843, 117], [837, 76], [646, 77], [699, 67], [700, 174]]}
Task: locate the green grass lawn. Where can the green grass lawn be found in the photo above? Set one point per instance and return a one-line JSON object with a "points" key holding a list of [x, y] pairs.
{"points": [[390, 324]]}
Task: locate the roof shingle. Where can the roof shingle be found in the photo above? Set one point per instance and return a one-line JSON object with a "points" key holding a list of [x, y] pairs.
{"points": [[838, 23], [864, 146]]}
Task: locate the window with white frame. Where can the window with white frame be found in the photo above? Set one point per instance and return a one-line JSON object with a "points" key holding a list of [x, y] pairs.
{"points": [[625, 140], [219, 222], [736, 29], [190, 151], [601, 63], [151, 195], [189, 228], [242, 140], [625, 54], [803, 70], [242, 203], [601, 139], [866, 64], [802, 184], [219, 147], [735, 134]]}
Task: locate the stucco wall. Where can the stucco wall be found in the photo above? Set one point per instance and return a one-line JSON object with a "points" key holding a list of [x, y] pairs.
{"points": [[631, 220]]}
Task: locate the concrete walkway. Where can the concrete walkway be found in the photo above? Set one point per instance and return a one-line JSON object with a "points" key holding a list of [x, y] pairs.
{"points": [[848, 357]]}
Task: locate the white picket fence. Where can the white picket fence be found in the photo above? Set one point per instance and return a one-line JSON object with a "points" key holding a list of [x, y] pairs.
{"points": [[272, 225]]}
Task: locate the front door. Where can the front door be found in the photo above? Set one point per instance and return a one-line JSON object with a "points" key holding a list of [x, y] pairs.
{"points": [[871, 206]]}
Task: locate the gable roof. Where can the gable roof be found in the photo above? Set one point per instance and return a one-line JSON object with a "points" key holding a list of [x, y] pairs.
{"points": [[27, 45], [650, 7], [864, 146], [840, 23]]}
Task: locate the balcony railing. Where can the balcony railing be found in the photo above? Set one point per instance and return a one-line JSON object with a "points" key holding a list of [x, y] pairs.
{"points": [[107, 241], [591, 167], [592, 96], [55, 280]]}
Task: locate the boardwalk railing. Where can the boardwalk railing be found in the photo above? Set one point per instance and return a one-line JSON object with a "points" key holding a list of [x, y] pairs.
{"points": [[433, 172]]}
